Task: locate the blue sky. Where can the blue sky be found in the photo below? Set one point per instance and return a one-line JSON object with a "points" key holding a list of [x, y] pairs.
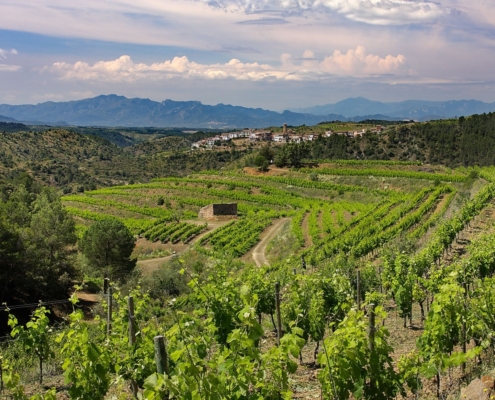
{"points": [[273, 54]]}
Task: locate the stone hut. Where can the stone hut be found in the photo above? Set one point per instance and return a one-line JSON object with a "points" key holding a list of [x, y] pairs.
{"points": [[218, 211]]}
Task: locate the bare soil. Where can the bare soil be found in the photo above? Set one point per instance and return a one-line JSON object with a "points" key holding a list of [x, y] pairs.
{"points": [[259, 252], [308, 241], [272, 171]]}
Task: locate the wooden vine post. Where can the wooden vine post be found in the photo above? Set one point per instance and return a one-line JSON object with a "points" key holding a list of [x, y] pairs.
{"points": [[161, 358], [464, 333], [279, 318], [132, 337], [371, 335], [358, 288], [132, 325], [109, 311]]}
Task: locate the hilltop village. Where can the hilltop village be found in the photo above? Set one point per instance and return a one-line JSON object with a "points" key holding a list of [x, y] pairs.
{"points": [[286, 136]]}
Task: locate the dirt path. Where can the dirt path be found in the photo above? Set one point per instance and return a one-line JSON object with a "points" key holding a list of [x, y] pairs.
{"points": [[308, 240], [259, 256], [150, 265], [480, 225]]}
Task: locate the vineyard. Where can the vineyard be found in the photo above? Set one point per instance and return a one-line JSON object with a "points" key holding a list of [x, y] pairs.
{"points": [[380, 286]]}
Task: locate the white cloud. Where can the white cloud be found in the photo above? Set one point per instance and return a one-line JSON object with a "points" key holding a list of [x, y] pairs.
{"points": [[387, 12], [376, 12], [9, 68], [4, 53], [124, 69], [356, 63]]}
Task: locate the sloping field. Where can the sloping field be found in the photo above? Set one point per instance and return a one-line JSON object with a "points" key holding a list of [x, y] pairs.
{"points": [[328, 214]]}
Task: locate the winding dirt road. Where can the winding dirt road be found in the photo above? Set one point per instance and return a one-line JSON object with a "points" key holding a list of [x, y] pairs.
{"points": [[259, 251]]}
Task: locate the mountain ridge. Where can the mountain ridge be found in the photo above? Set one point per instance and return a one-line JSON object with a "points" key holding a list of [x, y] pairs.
{"points": [[409, 109], [114, 110]]}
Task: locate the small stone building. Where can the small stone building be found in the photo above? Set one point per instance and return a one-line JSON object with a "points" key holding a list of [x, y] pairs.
{"points": [[218, 211]]}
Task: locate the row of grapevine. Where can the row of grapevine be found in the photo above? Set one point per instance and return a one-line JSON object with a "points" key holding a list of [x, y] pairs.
{"points": [[366, 226], [369, 243], [328, 218], [378, 227], [155, 212], [433, 219], [447, 232], [225, 228], [313, 226], [173, 232], [366, 162], [387, 173], [296, 225], [134, 225], [309, 184], [276, 197], [238, 237]]}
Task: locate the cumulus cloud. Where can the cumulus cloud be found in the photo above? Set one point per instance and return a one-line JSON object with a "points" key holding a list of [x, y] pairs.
{"points": [[124, 69], [355, 62], [4, 53]]}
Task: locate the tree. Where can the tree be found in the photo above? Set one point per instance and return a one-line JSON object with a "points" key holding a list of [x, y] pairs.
{"points": [[36, 246], [280, 159], [52, 230], [10, 247], [266, 152], [107, 245], [49, 246], [262, 163]]}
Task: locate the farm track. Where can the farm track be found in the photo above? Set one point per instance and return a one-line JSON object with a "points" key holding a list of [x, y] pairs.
{"points": [[150, 265], [308, 240], [481, 224], [259, 252]]}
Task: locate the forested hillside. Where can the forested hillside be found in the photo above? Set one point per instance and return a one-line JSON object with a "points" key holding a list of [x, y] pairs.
{"points": [[76, 162], [466, 141]]}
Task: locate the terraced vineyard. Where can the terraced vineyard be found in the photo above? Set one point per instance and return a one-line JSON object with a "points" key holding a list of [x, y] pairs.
{"points": [[355, 208]]}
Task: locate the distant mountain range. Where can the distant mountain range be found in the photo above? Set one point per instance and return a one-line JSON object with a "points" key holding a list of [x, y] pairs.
{"points": [[113, 110], [410, 109]]}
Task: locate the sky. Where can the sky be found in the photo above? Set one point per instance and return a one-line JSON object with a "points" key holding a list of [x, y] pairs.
{"points": [[273, 54]]}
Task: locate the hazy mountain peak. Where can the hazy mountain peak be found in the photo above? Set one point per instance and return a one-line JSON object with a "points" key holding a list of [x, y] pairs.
{"points": [[415, 109]]}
